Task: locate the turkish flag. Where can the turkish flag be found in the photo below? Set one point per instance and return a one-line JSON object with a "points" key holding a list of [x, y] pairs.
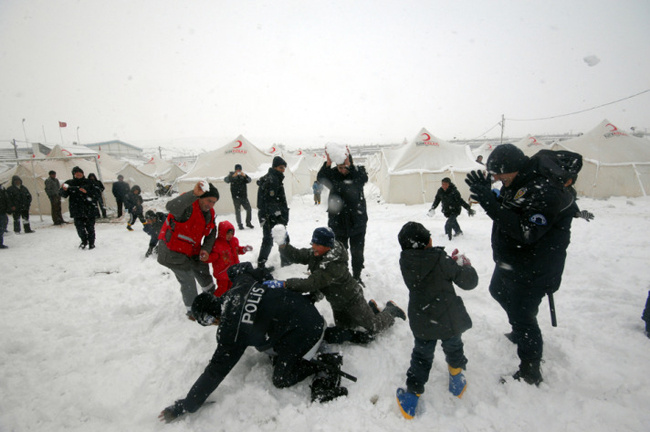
{"points": [[62, 124]]}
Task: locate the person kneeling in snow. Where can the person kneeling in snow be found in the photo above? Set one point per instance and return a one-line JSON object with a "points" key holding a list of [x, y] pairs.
{"points": [[436, 313], [327, 261], [153, 225], [282, 322]]}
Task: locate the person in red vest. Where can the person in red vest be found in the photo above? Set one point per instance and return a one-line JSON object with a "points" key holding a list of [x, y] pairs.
{"points": [[186, 239], [225, 253]]}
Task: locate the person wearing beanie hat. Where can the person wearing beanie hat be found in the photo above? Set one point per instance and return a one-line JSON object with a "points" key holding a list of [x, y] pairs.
{"points": [[186, 239], [346, 206], [435, 312], [133, 204], [452, 203], [272, 208], [531, 231], [327, 262], [238, 181], [278, 161], [52, 187], [82, 205]]}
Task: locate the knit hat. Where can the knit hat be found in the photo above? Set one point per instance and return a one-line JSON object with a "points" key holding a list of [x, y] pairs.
{"points": [[278, 161], [76, 170], [237, 167], [506, 158], [413, 235], [206, 308], [323, 236], [213, 192]]}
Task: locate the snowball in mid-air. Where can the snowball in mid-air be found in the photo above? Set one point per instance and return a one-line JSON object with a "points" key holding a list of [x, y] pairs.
{"points": [[337, 152], [205, 186], [591, 60]]}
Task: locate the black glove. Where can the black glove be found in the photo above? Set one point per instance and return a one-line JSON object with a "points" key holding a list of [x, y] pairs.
{"points": [[483, 195], [585, 215], [477, 178], [471, 212]]}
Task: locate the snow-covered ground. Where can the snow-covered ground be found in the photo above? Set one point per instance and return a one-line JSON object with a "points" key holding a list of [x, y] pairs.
{"points": [[98, 341]]}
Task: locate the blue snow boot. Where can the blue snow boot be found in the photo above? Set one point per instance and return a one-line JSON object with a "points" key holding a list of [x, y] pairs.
{"points": [[407, 402], [457, 381]]}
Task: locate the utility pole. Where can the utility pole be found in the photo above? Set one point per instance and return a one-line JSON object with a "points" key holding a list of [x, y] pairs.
{"points": [[503, 125], [15, 148], [160, 152]]}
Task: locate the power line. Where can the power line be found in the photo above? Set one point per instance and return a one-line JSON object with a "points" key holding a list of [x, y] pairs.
{"points": [[584, 110]]}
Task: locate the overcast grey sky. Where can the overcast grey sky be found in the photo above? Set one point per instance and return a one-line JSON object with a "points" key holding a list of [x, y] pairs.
{"points": [[304, 73]]}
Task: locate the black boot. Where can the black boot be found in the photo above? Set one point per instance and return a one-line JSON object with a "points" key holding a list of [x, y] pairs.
{"points": [[395, 310], [529, 371], [28, 228], [326, 384], [16, 226]]}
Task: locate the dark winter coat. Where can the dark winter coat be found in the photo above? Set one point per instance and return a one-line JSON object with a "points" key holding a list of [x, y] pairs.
{"points": [[120, 190], [252, 315], [19, 195], [346, 204], [4, 201], [98, 185], [451, 201], [238, 188], [435, 311], [532, 225], [52, 187], [153, 228], [271, 199], [81, 205], [133, 201], [328, 274]]}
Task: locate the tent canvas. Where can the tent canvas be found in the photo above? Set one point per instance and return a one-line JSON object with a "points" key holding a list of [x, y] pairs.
{"points": [[215, 165], [411, 173], [614, 163]]}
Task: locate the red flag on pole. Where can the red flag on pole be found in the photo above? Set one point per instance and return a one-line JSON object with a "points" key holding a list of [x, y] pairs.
{"points": [[62, 124]]}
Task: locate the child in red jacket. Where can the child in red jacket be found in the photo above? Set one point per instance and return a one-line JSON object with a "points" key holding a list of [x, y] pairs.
{"points": [[225, 252]]}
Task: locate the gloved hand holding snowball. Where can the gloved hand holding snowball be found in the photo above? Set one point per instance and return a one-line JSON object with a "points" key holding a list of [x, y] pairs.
{"points": [[460, 259], [279, 234]]}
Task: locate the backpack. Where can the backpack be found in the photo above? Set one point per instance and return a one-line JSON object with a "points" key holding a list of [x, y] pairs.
{"points": [[560, 167]]}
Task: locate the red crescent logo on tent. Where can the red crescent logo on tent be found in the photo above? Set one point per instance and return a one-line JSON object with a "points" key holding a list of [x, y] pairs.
{"points": [[67, 152], [299, 152], [240, 144], [533, 140], [613, 129], [272, 149], [427, 136]]}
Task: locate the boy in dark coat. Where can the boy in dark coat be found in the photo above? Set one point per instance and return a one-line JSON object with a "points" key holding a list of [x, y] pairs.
{"points": [[20, 200], [238, 181], [281, 322], [99, 190], [435, 312], [133, 204], [272, 208], [81, 203], [452, 203], [152, 227]]}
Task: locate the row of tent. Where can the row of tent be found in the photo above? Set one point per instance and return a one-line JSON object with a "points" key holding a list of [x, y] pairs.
{"points": [[614, 164]]}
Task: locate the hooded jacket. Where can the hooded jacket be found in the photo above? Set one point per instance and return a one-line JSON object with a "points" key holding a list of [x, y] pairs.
{"points": [[451, 201], [19, 196], [329, 275], [224, 254], [435, 311]]}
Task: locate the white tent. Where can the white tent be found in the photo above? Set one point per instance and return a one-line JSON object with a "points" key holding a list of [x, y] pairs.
{"points": [[411, 173], [133, 176], [215, 165], [614, 163]]}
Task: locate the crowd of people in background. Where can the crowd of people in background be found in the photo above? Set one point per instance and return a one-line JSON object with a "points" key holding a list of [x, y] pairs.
{"points": [[531, 215]]}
